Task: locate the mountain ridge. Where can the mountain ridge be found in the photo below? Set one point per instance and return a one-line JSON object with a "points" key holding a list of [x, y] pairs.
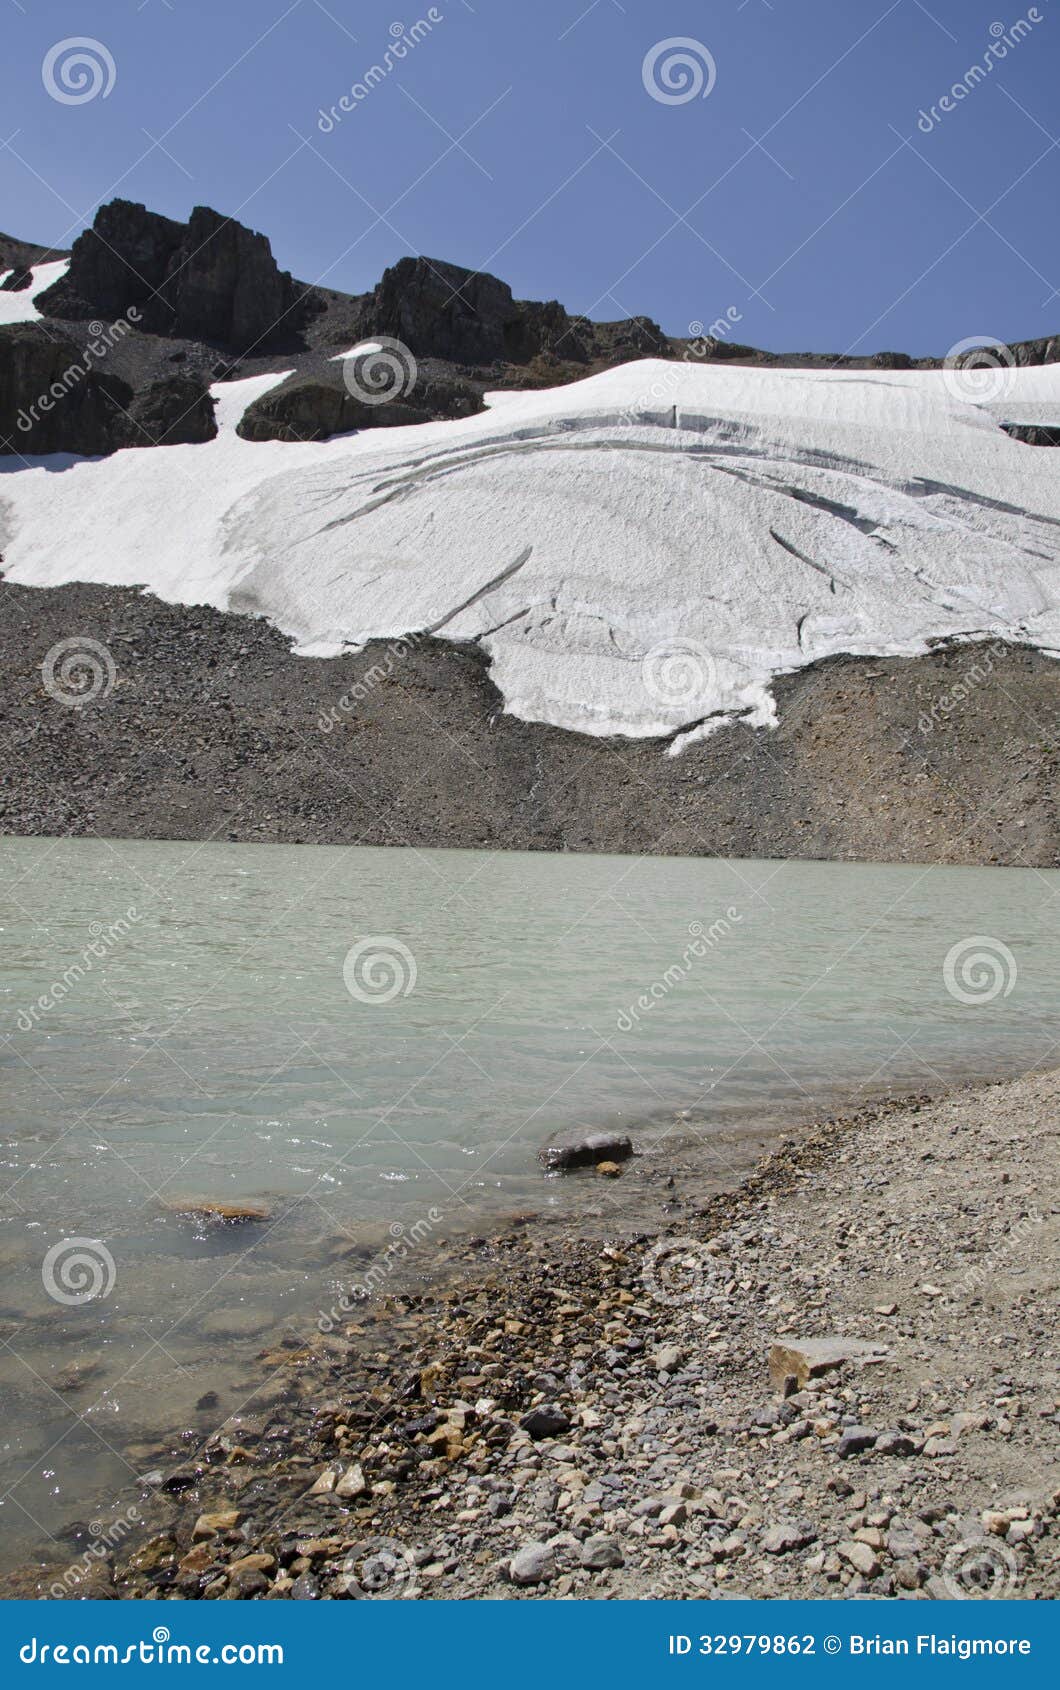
{"points": [[207, 299]]}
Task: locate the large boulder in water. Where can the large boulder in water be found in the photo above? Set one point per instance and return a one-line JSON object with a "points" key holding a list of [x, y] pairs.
{"points": [[582, 1148]]}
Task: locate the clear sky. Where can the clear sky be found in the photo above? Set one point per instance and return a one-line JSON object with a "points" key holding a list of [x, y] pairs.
{"points": [[799, 187]]}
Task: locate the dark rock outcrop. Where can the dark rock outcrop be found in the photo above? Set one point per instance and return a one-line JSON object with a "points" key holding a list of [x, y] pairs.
{"points": [[1033, 434], [20, 255], [441, 310], [210, 279], [53, 398], [175, 412], [313, 407], [1045, 351]]}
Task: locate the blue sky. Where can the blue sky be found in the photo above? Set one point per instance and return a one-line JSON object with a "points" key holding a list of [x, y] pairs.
{"points": [[803, 193]]}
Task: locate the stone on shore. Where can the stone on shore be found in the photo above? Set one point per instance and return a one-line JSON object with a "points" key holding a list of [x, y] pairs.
{"points": [[601, 1552], [789, 1535], [579, 1148], [220, 1520], [861, 1557], [855, 1440], [548, 1421], [218, 1209], [535, 1563], [353, 1482], [810, 1358]]}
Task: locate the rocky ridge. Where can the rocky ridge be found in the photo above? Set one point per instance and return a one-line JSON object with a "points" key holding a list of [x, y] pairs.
{"points": [[206, 299]]}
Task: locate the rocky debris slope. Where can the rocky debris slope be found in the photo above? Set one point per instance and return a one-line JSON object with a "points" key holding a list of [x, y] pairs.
{"points": [[211, 728], [839, 1381]]}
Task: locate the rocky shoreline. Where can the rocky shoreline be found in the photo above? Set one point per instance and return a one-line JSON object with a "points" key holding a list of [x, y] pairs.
{"points": [[839, 1380]]}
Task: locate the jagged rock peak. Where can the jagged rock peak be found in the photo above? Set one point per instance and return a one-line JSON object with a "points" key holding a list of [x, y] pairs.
{"points": [[210, 279]]}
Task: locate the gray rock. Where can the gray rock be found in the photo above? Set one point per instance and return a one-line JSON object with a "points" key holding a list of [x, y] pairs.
{"points": [[788, 1535], [210, 279], [896, 1443], [810, 1358], [305, 1589], [548, 1421], [600, 1552], [535, 1563], [855, 1440], [318, 404]]}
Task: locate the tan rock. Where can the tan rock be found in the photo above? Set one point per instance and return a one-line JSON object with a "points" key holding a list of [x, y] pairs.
{"points": [[810, 1358], [253, 1564], [353, 1482], [220, 1520], [859, 1556], [218, 1209]]}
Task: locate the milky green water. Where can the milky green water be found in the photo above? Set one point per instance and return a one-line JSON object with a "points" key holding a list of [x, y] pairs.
{"points": [[175, 1023]]}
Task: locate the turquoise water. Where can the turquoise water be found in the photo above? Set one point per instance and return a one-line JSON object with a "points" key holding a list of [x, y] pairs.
{"points": [[183, 1022]]}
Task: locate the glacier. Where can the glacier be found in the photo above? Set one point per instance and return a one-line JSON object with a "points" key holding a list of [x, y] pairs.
{"points": [[639, 553]]}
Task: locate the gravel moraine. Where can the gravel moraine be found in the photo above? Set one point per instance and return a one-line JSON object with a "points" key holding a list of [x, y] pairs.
{"points": [[580, 1419]]}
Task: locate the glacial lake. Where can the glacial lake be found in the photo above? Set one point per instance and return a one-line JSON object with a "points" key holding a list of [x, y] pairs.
{"points": [[373, 1045]]}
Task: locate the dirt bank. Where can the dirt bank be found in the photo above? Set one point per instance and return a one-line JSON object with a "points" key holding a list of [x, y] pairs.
{"points": [[205, 726]]}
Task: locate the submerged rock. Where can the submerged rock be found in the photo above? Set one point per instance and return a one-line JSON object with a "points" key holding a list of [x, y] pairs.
{"points": [[219, 1209], [581, 1148]]}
